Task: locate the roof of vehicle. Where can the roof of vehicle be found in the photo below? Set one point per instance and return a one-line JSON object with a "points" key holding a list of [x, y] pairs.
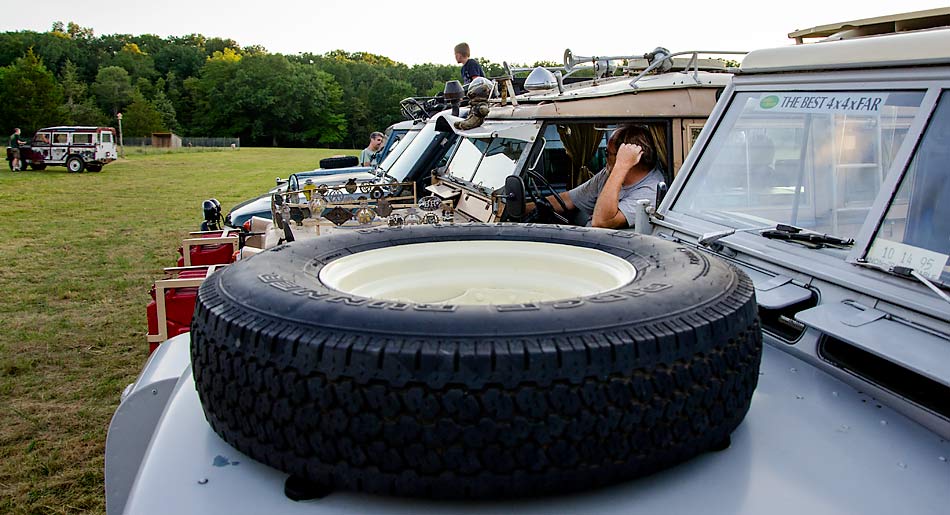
{"points": [[916, 48], [660, 95], [405, 125], [74, 128]]}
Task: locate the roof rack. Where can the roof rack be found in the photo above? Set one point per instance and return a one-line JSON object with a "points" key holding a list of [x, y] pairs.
{"points": [[900, 22], [668, 62], [422, 108], [602, 66]]}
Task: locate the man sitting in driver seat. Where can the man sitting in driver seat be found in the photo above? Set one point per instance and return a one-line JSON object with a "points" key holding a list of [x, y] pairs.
{"points": [[609, 198]]}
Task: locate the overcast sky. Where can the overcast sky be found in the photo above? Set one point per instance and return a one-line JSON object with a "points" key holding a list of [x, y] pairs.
{"points": [[514, 31]]}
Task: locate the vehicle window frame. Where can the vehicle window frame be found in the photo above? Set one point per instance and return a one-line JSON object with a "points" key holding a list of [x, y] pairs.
{"points": [[58, 144], [894, 174], [393, 154], [34, 142], [529, 131], [91, 136], [891, 185]]}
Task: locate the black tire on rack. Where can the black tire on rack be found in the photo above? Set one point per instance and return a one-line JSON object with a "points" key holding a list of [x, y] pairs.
{"points": [[475, 401], [334, 162]]}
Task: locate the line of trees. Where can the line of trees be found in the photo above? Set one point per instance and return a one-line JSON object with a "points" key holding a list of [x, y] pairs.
{"points": [[199, 86]]}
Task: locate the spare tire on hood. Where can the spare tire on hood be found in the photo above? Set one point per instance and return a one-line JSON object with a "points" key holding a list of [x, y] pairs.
{"points": [[334, 162], [409, 361]]}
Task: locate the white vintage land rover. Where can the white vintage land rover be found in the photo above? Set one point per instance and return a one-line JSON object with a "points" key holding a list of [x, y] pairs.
{"points": [[76, 148], [780, 343]]}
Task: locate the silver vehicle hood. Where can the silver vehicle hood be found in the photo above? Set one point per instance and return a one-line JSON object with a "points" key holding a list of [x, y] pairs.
{"points": [[810, 444]]}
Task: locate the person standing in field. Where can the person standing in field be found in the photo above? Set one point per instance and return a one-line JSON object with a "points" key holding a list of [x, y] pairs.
{"points": [[370, 155], [470, 67], [15, 143]]}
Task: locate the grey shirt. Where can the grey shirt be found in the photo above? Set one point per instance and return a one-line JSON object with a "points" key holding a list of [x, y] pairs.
{"points": [[370, 156], [585, 196]]}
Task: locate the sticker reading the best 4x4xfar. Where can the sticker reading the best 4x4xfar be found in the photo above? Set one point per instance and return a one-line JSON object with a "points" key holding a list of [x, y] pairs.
{"points": [[797, 102], [891, 253]]}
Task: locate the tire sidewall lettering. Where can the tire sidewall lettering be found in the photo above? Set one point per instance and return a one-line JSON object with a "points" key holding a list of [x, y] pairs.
{"points": [[284, 285]]}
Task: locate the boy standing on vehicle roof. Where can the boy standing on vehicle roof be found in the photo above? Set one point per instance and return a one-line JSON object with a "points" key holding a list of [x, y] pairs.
{"points": [[370, 155], [470, 69], [609, 198], [15, 143]]}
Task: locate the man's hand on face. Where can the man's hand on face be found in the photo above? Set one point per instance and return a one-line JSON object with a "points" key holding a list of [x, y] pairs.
{"points": [[628, 156]]}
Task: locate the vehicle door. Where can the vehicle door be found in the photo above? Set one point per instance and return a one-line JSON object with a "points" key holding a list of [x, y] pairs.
{"points": [[59, 149], [105, 147], [573, 152], [41, 146]]}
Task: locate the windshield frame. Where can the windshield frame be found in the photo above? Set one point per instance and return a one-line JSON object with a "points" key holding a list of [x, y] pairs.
{"points": [[893, 181], [528, 131], [676, 219], [419, 144]]}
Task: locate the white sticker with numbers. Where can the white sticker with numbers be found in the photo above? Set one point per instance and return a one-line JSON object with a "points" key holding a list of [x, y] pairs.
{"points": [[891, 253]]}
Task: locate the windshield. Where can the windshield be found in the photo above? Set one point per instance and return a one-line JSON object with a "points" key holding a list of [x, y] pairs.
{"points": [[486, 161], [915, 233], [396, 148], [814, 160], [499, 162], [409, 152], [489, 159]]}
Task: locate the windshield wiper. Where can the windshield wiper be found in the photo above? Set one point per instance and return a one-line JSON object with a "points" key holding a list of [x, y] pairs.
{"points": [[792, 233], [707, 239]]}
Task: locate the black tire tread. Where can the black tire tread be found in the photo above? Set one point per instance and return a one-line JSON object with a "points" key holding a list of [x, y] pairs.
{"points": [[331, 163], [502, 418]]}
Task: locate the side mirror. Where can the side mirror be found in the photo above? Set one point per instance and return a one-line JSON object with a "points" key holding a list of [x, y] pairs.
{"points": [[514, 199], [661, 190]]}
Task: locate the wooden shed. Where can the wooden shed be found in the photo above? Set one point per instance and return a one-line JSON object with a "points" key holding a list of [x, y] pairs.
{"points": [[165, 140]]}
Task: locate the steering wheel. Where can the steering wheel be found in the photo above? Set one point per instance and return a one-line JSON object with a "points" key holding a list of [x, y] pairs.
{"points": [[542, 207]]}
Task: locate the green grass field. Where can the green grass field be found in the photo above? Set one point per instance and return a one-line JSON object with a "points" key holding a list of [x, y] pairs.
{"points": [[79, 253]]}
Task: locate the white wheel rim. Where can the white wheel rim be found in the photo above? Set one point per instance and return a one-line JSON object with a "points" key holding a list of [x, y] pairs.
{"points": [[481, 272]]}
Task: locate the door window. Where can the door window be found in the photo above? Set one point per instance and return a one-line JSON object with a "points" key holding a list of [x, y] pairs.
{"points": [[41, 139]]}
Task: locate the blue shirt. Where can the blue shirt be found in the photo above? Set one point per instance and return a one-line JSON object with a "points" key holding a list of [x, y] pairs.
{"points": [[470, 70]]}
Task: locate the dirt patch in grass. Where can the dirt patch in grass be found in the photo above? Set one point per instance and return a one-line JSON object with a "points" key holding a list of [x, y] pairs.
{"points": [[79, 253]]}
